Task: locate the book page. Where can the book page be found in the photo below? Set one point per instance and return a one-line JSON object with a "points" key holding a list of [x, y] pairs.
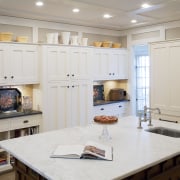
{"points": [[98, 150], [68, 151]]}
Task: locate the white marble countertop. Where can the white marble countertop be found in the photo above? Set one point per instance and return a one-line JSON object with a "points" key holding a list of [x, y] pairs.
{"points": [[133, 150]]}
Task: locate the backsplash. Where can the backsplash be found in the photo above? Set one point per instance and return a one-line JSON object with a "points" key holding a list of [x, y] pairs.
{"points": [[108, 85]]}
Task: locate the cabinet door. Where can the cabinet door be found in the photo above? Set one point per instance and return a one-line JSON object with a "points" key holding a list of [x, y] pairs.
{"points": [[22, 64], [55, 110], [3, 59], [67, 104], [100, 69], [122, 64], [79, 63], [56, 63], [159, 76], [164, 72], [30, 64], [114, 64], [82, 102], [174, 74], [76, 103]]}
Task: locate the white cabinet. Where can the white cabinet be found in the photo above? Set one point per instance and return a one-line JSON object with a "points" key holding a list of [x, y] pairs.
{"points": [[15, 127], [119, 109], [19, 64], [68, 104], [66, 63], [109, 64], [165, 88], [67, 88], [119, 64], [99, 64]]}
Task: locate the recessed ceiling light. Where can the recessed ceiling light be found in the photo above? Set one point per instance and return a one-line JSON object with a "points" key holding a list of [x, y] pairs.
{"points": [[107, 16], [133, 21], [145, 5], [39, 3], [76, 10]]}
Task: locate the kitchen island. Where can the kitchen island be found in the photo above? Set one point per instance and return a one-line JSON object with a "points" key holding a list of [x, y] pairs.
{"points": [[136, 153]]}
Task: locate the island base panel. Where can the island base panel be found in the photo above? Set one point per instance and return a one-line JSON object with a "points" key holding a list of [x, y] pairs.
{"points": [[166, 170], [23, 172]]}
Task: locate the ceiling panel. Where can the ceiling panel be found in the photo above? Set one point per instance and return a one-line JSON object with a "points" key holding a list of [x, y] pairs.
{"points": [[91, 12]]}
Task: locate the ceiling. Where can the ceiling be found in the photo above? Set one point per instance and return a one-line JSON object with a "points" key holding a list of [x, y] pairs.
{"points": [[91, 12]]}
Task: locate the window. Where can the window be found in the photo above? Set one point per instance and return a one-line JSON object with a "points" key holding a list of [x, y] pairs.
{"points": [[142, 64]]}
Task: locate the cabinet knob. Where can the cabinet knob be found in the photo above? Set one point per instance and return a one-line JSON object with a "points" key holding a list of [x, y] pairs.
{"points": [[73, 86], [5, 77], [102, 109], [109, 73], [72, 75], [113, 74], [119, 106], [25, 121], [12, 77], [67, 86], [67, 75]]}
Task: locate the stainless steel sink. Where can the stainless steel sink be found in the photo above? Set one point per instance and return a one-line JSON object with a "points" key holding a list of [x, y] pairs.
{"points": [[165, 131]]}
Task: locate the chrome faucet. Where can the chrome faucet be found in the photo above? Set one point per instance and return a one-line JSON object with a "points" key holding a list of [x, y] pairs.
{"points": [[147, 116]]}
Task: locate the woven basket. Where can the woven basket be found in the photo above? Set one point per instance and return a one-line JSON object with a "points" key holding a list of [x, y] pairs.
{"points": [[116, 45], [107, 44], [23, 39], [97, 44], [6, 36]]}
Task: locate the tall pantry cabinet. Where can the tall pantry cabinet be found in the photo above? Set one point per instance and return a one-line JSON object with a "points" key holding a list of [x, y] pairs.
{"points": [[66, 86], [165, 73]]}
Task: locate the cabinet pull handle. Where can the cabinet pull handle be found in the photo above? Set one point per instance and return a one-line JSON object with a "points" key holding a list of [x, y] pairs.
{"points": [[102, 109], [5, 77], [25, 121]]}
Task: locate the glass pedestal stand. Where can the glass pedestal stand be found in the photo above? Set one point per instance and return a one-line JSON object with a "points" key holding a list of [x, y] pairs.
{"points": [[105, 133]]}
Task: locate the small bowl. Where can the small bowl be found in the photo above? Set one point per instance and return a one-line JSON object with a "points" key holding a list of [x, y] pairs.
{"points": [[97, 44], [23, 39], [6, 36], [107, 44], [116, 45]]}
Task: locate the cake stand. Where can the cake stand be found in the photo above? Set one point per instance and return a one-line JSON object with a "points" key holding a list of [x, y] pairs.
{"points": [[105, 135]]}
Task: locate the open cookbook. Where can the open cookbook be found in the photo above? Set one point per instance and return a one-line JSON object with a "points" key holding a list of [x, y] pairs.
{"points": [[91, 150]]}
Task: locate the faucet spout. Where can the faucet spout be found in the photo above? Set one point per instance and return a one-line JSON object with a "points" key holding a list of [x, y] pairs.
{"points": [[147, 116]]}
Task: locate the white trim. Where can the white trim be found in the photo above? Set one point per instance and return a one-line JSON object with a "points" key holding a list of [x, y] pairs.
{"points": [[53, 25]]}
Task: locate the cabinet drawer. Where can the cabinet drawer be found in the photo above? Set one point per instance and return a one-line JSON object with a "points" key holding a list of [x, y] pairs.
{"points": [[26, 121], [4, 125]]}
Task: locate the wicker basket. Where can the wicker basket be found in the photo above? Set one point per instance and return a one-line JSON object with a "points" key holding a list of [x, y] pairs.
{"points": [[97, 44], [23, 39], [116, 45], [6, 36], [107, 44]]}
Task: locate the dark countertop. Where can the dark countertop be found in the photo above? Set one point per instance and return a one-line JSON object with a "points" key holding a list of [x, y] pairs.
{"points": [[103, 102], [18, 114]]}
